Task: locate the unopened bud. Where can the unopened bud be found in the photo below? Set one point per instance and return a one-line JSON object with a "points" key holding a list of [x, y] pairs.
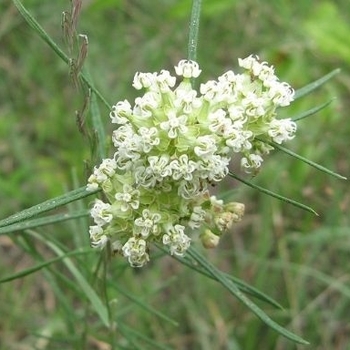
{"points": [[237, 209], [224, 221], [209, 239]]}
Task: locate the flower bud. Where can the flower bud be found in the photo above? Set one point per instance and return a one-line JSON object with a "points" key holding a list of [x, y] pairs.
{"points": [[236, 208], [209, 239]]}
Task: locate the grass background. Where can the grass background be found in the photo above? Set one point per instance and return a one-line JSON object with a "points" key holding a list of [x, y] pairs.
{"points": [[300, 260]]}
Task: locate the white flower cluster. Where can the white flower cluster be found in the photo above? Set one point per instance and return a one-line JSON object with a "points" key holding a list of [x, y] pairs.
{"points": [[174, 142]]}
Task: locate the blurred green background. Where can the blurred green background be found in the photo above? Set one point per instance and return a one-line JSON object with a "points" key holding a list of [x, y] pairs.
{"points": [[299, 259]]}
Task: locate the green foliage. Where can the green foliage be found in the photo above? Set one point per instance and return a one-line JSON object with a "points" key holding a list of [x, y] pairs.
{"points": [[330, 31], [80, 299]]}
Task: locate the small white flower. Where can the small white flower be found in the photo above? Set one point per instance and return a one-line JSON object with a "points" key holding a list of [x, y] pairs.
{"points": [[251, 162], [108, 167], [92, 183], [197, 217], [252, 64], [127, 142], [187, 100], [121, 112], [219, 122], [135, 250], [214, 168], [191, 189], [282, 129], [159, 167], [101, 174], [177, 240], [145, 105], [165, 81], [122, 134], [144, 80], [209, 90], [174, 125], [236, 113], [143, 177], [239, 140], [128, 199], [281, 94], [205, 146], [100, 212], [188, 69], [228, 77], [254, 105], [183, 168], [267, 75], [97, 236], [226, 92], [125, 160], [147, 224], [149, 138]]}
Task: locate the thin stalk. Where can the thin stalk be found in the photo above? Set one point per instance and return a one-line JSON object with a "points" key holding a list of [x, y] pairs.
{"points": [[193, 30]]}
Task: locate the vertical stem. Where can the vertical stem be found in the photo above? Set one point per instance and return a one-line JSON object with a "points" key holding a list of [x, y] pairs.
{"points": [[193, 30]]}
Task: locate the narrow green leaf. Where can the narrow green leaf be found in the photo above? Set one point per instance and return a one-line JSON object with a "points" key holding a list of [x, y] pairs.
{"points": [[273, 194], [87, 290], [309, 272], [307, 161], [38, 267], [47, 205], [314, 85], [146, 306], [47, 220], [145, 339], [40, 30], [311, 111], [27, 244], [129, 336], [98, 126], [229, 285], [42, 33], [244, 287], [194, 29], [94, 89]]}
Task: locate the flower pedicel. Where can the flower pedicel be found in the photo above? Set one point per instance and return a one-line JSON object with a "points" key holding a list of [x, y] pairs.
{"points": [[172, 144]]}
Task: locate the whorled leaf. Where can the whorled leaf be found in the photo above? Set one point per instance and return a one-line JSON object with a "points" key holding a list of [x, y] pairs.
{"points": [[273, 194], [315, 84], [233, 289], [47, 205]]}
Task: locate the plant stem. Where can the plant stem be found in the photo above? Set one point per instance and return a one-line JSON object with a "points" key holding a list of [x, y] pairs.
{"points": [[193, 30]]}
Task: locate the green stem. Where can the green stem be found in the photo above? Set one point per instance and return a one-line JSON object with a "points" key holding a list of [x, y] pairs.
{"points": [[194, 28]]}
